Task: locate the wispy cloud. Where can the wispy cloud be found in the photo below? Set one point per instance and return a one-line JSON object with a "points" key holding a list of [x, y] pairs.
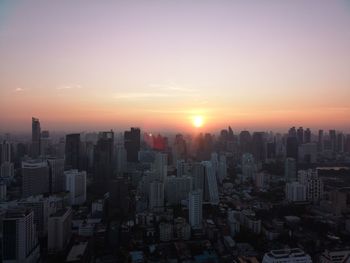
{"points": [[172, 87], [141, 95], [69, 87], [19, 90]]}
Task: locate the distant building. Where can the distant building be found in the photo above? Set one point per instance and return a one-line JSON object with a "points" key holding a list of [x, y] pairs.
{"points": [[292, 255], [132, 143], [290, 170], [59, 230], [5, 152], [156, 196], [104, 157], [314, 185], [177, 189], [19, 242], [335, 256], [75, 183], [195, 209], [73, 151], [165, 232], [211, 192], [56, 167], [35, 178], [292, 148], [308, 153], [36, 136], [295, 192]]}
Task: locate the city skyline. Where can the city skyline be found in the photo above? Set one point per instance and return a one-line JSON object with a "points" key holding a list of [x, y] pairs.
{"points": [[118, 64]]}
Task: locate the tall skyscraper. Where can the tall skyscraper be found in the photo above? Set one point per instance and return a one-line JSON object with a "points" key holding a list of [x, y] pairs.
{"points": [[320, 144], [290, 170], [333, 139], [307, 136], [259, 146], [245, 142], [292, 147], [121, 159], [198, 174], [156, 196], [56, 179], [36, 135], [35, 177], [72, 151], [211, 192], [19, 242], [195, 209], [132, 144], [104, 157], [5, 152], [300, 135]]}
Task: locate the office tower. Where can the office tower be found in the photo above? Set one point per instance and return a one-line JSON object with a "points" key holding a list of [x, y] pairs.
{"points": [[307, 153], [40, 207], [75, 183], [347, 143], [73, 151], [19, 242], [104, 157], [340, 142], [333, 140], [121, 159], [245, 141], [177, 189], [59, 230], [292, 132], [288, 255], [290, 170], [3, 191], [320, 145], [36, 134], [292, 148], [45, 143], [160, 166], [35, 178], [211, 192], [314, 185], [181, 168], [339, 198], [222, 169], [7, 171], [195, 209], [295, 192], [156, 196], [179, 148], [56, 179], [271, 150], [249, 168], [198, 174], [132, 144], [259, 146], [5, 152], [300, 135], [307, 136]]}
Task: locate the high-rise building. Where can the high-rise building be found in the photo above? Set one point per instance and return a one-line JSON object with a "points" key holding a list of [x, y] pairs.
{"points": [[75, 183], [5, 152], [132, 144], [295, 192], [7, 171], [249, 167], [35, 177], [160, 166], [307, 136], [198, 174], [292, 132], [104, 157], [333, 140], [292, 148], [179, 148], [195, 209], [73, 151], [177, 189], [290, 170], [59, 230], [290, 255], [211, 192], [259, 146], [165, 232], [56, 179], [245, 142], [19, 242], [121, 159], [347, 143], [320, 141], [307, 153], [314, 184], [156, 196], [300, 135], [340, 142], [36, 135]]}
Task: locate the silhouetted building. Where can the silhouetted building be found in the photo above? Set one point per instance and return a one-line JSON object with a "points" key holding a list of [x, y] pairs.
{"points": [[307, 136], [333, 140], [292, 148], [320, 145], [132, 144], [259, 146], [36, 134], [245, 141], [300, 135], [35, 178], [72, 151], [104, 157]]}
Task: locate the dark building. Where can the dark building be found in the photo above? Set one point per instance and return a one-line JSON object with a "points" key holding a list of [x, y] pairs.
{"points": [[104, 156], [292, 132], [72, 151], [347, 143], [320, 144], [132, 144], [300, 135], [292, 148], [245, 141], [271, 150], [333, 139], [307, 136], [340, 142], [36, 134], [259, 146]]}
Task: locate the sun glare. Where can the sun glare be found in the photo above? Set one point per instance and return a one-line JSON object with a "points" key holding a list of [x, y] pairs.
{"points": [[198, 121]]}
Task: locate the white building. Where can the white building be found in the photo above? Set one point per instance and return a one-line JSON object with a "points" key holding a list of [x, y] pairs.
{"points": [[59, 230], [195, 209], [156, 195], [295, 192], [19, 241], [293, 255], [75, 183]]}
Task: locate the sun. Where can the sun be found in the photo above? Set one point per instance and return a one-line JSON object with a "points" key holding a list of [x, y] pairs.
{"points": [[198, 121]]}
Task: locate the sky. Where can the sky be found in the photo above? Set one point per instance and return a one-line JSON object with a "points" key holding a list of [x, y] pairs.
{"points": [[97, 65]]}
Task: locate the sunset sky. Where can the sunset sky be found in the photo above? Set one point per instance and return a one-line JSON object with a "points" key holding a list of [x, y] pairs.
{"points": [[93, 65]]}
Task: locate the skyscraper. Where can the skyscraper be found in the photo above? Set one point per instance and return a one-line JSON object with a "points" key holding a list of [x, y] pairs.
{"points": [[300, 135], [290, 170], [333, 140], [132, 144], [292, 147], [36, 135], [195, 209], [320, 141], [72, 151], [156, 196], [5, 152], [211, 192], [75, 183], [104, 157], [20, 243], [35, 178], [259, 146], [307, 136], [56, 179]]}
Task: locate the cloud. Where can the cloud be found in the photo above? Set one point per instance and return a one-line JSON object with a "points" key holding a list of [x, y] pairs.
{"points": [[141, 95], [19, 90], [69, 87], [172, 87]]}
